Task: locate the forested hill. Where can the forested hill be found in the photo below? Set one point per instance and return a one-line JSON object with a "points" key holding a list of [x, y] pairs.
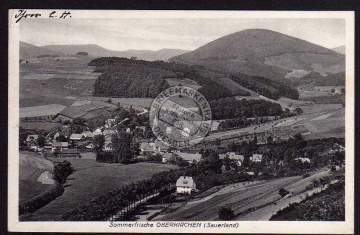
{"points": [[123, 77]]}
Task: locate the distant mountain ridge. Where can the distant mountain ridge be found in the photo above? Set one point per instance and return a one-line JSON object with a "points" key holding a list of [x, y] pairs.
{"points": [[265, 53], [28, 51], [340, 49]]}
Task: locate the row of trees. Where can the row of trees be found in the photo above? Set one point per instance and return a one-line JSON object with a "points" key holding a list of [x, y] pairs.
{"points": [[228, 108]]}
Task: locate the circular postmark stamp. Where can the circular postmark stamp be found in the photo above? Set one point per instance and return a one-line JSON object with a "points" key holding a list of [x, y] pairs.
{"points": [[180, 117]]}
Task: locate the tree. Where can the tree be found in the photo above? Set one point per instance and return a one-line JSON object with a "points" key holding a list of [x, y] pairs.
{"points": [[121, 145], [283, 192], [332, 90], [98, 142], [298, 111], [269, 140], [61, 171], [79, 121], [217, 141], [41, 141], [226, 213]]}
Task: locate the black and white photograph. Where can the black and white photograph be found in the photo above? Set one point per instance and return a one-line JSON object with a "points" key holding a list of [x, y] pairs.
{"points": [[192, 121]]}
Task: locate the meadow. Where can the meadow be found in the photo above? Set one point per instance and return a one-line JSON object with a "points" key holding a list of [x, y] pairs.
{"points": [[91, 179]]}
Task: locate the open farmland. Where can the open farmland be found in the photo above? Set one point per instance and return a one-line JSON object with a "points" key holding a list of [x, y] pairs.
{"points": [[136, 103], [43, 110], [31, 166], [56, 80], [91, 179]]}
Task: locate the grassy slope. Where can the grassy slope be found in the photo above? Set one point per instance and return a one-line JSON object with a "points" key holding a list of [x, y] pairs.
{"points": [[328, 205], [92, 179], [31, 166]]}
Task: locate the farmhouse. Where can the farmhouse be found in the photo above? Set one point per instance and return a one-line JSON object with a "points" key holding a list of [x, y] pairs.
{"points": [[256, 158], [108, 146], [237, 158], [185, 185], [59, 146], [190, 157], [108, 132], [147, 148], [69, 153], [160, 147], [166, 157], [31, 139]]}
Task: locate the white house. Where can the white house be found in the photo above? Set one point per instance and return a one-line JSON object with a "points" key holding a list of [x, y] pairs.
{"points": [[185, 185], [302, 159], [147, 148], [77, 136], [108, 146], [108, 132], [166, 157], [256, 158]]}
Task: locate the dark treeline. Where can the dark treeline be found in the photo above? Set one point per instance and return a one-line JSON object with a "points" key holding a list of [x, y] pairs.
{"points": [[316, 79], [228, 108], [266, 87], [137, 78]]}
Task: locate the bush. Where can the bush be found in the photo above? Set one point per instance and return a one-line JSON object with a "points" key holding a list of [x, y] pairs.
{"points": [[61, 171], [226, 213], [105, 157], [283, 192], [41, 201]]}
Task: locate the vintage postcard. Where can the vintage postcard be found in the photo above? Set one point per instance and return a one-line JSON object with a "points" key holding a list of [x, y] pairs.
{"points": [[191, 121]]}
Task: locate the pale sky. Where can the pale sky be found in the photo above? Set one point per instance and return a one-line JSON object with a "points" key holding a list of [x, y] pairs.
{"points": [[154, 34]]}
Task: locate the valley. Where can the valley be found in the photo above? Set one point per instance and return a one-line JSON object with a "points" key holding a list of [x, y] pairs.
{"points": [[278, 102]]}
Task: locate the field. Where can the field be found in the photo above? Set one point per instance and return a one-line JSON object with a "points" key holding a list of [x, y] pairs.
{"points": [[31, 167], [137, 103], [43, 110], [39, 125], [249, 201], [90, 180], [56, 80]]}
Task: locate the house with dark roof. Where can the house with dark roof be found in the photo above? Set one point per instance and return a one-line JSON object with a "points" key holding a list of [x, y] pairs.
{"points": [[189, 157], [147, 148], [185, 185], [31, 139], [59, 146]]}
